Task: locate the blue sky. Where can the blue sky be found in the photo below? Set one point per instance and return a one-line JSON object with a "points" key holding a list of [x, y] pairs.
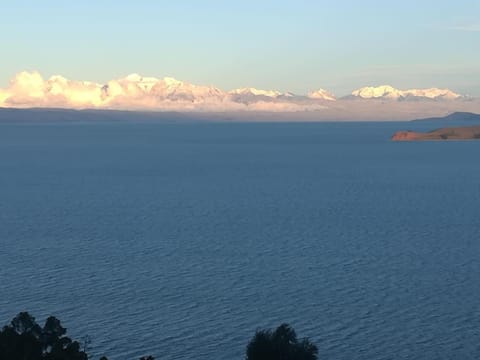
{"points": [[286, 45]]}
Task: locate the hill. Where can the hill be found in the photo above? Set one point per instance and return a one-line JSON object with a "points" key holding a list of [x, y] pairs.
{"points": [[449, 133], [455, 117]]}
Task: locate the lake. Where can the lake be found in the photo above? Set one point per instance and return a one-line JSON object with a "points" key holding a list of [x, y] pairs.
{"points": [[180, 240]]}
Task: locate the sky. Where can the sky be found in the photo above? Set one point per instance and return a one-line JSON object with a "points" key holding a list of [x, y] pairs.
{"points": [[295, 46]]}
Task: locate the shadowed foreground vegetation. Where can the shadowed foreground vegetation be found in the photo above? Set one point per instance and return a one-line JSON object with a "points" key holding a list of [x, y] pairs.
{"points": [[24, 339]]}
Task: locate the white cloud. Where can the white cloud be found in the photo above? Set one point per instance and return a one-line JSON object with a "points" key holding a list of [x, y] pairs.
{"points": [[4, 95], [30, 84]]}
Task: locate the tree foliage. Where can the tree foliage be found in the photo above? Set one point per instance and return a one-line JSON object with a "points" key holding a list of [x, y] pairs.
{"points": [[280, 344], [24, 339]]}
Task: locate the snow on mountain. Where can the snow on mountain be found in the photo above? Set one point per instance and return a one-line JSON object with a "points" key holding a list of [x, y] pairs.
{"points": [[433, 93], [175, 90], [261, 100], [29, 89], [256, 92], [144, 83], [321, 94], [389, 92], [384, 91], [136, 92], [135, 88]]}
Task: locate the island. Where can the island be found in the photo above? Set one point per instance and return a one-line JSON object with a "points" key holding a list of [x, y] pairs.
{"points": [[447, 132]]}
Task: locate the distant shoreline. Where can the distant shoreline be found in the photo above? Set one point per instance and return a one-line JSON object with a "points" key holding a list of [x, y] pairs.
{"points": [[350, 111]]}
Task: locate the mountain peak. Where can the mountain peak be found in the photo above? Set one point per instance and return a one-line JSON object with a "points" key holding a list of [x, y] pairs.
{"points": [[433, 93], [369, 92], [389, 92], [256, 92], [30, 89], [321, 94], [134, 77], [57, 78], [170, 81]]}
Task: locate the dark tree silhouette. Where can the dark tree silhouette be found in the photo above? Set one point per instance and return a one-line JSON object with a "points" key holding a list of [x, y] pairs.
{"points": [[281, 344], [23, 323], [24, 339], [51, 332]]}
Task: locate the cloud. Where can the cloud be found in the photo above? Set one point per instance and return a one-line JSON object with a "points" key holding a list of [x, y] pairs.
{"points": [[134, 92], [466, 28], [4, 95], [29, 89]]}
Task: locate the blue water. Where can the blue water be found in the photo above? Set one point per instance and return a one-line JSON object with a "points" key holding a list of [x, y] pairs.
{"points": [[180, 240]]}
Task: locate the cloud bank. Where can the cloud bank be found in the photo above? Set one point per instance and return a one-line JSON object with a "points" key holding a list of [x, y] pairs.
{"points": [[135, 92]]}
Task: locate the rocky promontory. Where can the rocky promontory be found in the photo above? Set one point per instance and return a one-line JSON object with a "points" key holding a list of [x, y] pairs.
{"points": [[447, 133]]}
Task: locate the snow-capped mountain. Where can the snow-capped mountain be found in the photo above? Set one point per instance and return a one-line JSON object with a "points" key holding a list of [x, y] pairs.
{"points": [[433, 93], [168, 88], [136, 92], [321, 94], [29, 89], [172, 89], [145, 83], [384, 91], [256, 92], [391, 93]]}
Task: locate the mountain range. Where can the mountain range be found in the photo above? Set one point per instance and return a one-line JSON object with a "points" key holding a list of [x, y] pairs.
{"points": [[136, 92]]}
